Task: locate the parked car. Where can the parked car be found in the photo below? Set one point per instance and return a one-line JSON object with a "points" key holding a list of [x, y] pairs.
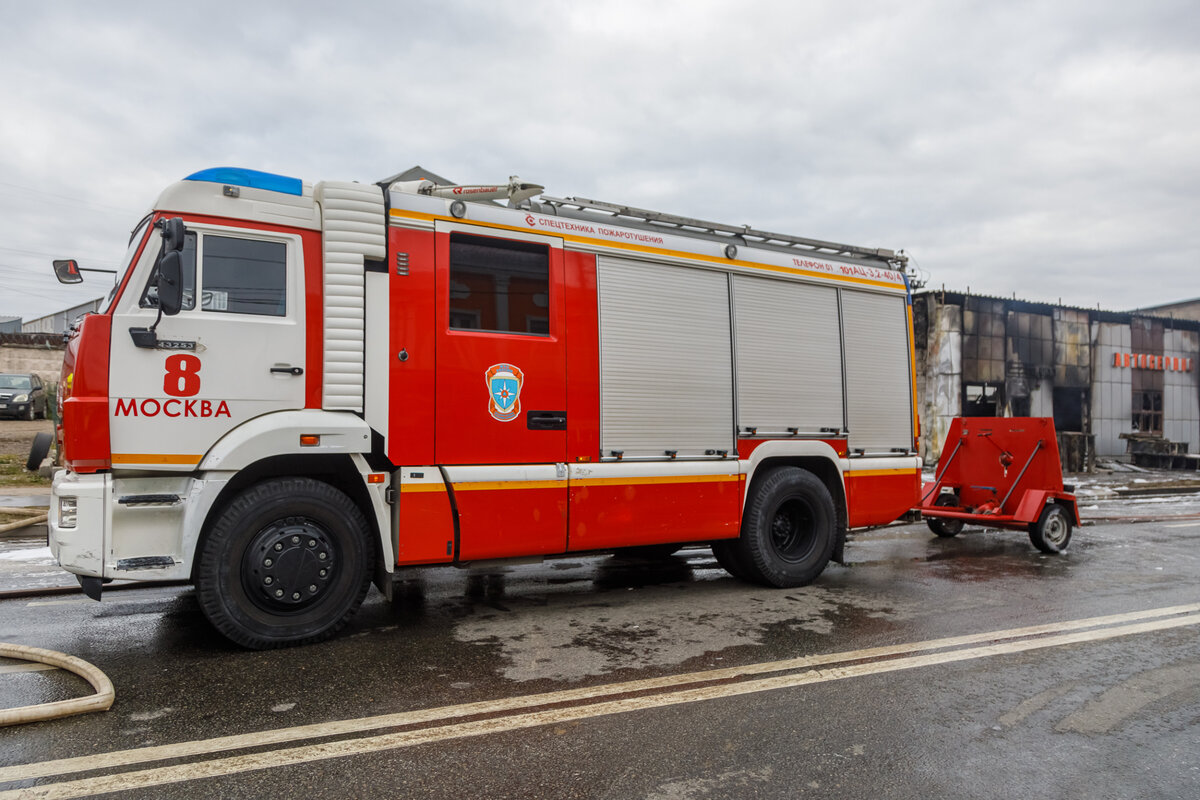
{"points": [[22, 395]]}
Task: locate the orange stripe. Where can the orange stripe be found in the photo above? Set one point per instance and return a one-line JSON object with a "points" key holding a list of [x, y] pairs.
{"points": [[155, 458], [876, 473], [655, 480]]}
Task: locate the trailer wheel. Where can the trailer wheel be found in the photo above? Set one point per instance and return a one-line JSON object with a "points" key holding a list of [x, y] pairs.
{"points": [[788, 530], [1052, 532], [288, 562], [945, 528]]}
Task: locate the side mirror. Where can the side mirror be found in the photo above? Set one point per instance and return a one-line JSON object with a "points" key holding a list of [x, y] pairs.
{"points": [[170, 281], [173, 234], [67, 271]]}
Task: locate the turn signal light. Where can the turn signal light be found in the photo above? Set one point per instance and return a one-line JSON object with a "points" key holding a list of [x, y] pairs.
{"points": [[376, 477], [310, 439]]}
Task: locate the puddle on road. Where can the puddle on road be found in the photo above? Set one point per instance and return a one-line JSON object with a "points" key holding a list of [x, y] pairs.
{"points": [[573, 637]]}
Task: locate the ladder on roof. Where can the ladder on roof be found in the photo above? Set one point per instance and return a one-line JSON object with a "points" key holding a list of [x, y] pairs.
{"points": [[744, 232]]}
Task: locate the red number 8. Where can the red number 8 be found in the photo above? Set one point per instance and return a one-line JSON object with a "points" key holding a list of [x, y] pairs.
{"points": [[183, 376]]}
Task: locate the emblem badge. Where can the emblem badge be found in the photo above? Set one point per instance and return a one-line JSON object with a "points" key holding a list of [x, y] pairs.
{"points": [[504, 382]]}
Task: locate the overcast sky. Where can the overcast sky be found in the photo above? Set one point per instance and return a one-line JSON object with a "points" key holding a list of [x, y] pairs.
{"points": [[1046, 149]]}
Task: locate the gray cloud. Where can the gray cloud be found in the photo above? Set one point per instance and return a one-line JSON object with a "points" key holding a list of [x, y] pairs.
{"points": [[1046, 149]]}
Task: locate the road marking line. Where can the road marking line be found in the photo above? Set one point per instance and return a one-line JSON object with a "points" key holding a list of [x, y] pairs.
{"points": [[312, 752], [373, 744], [1184, 525], [120, 758]]}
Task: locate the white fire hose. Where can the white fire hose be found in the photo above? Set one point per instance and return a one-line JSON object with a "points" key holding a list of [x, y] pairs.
{"points": [[100, 701]]}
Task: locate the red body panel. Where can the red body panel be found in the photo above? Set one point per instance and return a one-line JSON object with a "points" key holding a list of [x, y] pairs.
{"points": [[511, 519], [411, 382], [873, 498], [583, 358], [630, 511], [85, 434], [426, 527], [466, 431]]}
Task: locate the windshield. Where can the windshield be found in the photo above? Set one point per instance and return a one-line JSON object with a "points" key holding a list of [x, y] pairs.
{"points": [[15, 382], [135, 241]]}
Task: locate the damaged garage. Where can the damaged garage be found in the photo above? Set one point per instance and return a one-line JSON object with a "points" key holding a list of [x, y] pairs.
{"points": [[1115, 383]]}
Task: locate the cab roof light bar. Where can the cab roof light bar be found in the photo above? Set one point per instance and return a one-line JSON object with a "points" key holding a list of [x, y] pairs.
{"points": [[249, 178]]}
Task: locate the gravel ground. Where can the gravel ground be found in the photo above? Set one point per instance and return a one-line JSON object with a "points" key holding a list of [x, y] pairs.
{"points": [[16, 435]]}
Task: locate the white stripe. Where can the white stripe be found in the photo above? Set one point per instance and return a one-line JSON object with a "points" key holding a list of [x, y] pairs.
{"points": [[237, 764], [319, 752]]}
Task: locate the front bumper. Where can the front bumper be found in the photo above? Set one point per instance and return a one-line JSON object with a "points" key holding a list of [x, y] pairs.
{"points": [[137, 529], [80, 548], [14, 409]]}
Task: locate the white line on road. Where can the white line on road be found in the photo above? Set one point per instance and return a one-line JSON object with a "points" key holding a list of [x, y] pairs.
{"points": [[1047, 636], [1184, 525]]}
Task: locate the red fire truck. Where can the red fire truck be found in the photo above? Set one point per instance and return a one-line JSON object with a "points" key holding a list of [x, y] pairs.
{"points": [[294, 389]]}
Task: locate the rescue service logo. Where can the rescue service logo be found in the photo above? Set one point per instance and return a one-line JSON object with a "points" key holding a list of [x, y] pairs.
{"points": [[504, 382]]}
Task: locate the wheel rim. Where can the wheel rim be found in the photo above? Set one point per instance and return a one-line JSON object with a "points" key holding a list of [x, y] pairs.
{"points": [[792, 530], [290, 565], [1056, 529]]}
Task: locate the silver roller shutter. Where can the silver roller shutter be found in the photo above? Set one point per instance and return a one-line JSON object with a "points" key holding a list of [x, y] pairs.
{"points": [[878, 376], [666, 380], [789, 356]]}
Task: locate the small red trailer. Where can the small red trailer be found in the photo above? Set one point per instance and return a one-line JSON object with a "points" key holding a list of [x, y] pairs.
{"points": [[1002, 472]]}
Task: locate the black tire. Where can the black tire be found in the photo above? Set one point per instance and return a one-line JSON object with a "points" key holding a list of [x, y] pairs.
{"points": [[288, 562], [42, 414], [1052, 532], [28, 417], [788, 529], [727, 555], [39, 451], [945, 528]]}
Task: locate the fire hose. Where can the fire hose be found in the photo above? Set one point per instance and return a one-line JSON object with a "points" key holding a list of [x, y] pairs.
{"points": [[100, 701]]}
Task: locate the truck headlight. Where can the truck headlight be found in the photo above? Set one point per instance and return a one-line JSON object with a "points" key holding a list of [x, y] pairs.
{"points": [[67, 512]]}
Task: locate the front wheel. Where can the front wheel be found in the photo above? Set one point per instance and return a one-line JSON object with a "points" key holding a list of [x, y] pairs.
{"points": [[1052, 532], [288, 562], [788, 530]]}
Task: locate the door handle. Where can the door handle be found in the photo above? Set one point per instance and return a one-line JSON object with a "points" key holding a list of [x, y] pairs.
{"points": [[288, 370], [546, 420]]}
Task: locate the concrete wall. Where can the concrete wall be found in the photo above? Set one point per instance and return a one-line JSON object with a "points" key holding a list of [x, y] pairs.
{"points": [[41, 358]]}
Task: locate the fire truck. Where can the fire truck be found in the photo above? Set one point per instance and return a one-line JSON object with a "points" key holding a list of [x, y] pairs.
{"points": [[294, 390]]}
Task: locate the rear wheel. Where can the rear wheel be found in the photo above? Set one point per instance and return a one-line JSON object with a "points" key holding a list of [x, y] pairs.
{"points": [[788, 530], [1052, 532], [726, 553], [288, 562]]}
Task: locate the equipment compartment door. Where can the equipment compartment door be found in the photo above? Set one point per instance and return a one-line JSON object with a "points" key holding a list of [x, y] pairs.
{"points": [[501, 386]]}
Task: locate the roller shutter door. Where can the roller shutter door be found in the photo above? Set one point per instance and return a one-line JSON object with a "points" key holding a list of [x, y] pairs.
{"points": [[878, 376], [666, 380], [789, 356]]}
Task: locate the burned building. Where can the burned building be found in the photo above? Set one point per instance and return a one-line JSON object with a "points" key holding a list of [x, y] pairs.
{"points": [[1099, 374]]}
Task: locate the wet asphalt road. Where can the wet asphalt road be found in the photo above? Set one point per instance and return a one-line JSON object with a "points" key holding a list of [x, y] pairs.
{"points": [[1113, 712]]}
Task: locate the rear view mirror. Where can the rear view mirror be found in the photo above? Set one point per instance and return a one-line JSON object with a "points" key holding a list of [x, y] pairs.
{"points": [[170, 280], [67, 271], [173, 233]]}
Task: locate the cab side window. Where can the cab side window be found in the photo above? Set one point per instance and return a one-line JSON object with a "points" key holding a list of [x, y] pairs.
{"points": [[244, 276], [188, 263]]}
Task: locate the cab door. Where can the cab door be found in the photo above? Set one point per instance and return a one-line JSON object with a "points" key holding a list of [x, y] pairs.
{"points": [[234, 352], [501, 399]]}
